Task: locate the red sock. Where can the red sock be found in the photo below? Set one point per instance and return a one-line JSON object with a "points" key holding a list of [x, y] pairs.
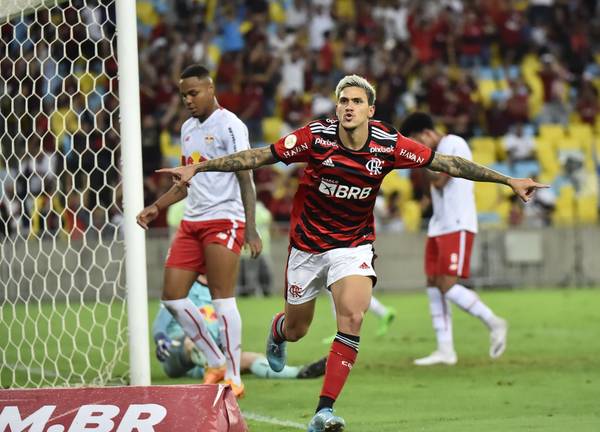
{"points": [[339, 363], [277, 327]]}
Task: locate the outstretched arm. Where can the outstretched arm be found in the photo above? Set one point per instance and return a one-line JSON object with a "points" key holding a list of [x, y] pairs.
{"points": [[244, 160], [460, 167]]}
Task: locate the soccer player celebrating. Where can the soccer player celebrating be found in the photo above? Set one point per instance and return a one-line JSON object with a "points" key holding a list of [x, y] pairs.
{"points": [[218, 220], [452, 229], [332, 232]]}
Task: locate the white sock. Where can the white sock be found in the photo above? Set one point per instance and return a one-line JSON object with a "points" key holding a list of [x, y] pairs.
{"points": [[376, 307], [470, 302], [190, 319], [441, 318], [230, 328]]}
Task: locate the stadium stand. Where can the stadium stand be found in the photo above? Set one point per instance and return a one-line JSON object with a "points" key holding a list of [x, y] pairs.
{"points": [[271, 60]]}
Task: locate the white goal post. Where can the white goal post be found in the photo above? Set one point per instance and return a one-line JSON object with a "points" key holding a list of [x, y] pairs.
{"points": [[73, 296]]}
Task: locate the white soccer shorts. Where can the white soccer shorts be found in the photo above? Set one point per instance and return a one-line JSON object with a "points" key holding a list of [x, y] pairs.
{"points": [[308, 273]]}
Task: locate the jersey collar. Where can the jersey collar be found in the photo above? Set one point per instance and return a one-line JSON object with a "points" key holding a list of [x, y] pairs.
{"points": [[364, 148]]}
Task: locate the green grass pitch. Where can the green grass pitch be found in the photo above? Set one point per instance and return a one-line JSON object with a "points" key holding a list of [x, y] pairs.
{"points": [[548, 379]]}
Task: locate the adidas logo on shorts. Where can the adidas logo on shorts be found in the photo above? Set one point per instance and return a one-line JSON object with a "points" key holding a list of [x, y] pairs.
{"points": [[328, 162], [364, 266]]}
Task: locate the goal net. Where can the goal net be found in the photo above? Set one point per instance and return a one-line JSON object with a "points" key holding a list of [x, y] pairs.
{"points": [[62, 285]]}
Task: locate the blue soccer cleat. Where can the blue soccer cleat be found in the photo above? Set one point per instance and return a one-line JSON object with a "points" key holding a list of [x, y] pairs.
{"points": [[326, 421], [276, 352]]}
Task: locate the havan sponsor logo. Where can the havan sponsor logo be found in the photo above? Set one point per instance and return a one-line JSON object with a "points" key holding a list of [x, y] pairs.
{"points": [[294, 151], [411, 156]]}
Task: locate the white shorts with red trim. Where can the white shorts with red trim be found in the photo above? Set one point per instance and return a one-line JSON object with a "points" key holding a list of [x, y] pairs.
{"points": [[308, 273]]}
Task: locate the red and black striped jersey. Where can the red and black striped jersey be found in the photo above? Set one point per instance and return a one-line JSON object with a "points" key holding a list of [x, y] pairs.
{"points": [[333, 207]]}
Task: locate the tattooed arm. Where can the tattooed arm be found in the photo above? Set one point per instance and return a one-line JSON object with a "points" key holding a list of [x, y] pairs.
{"points": [[461, 167], [244, 160], [247, 159]]}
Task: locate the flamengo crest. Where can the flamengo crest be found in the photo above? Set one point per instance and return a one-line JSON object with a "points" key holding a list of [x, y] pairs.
{"points": [[374, 166]]}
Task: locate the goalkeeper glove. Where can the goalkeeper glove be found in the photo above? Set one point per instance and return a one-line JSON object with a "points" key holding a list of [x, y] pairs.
{"points": [[163, 345]]}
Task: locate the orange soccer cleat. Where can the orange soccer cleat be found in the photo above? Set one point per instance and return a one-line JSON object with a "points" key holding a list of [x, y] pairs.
{"points": [[238, 390], [214, 375]]}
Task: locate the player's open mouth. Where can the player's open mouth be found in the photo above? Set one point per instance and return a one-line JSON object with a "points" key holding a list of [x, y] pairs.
{"points": [[348, 117]]}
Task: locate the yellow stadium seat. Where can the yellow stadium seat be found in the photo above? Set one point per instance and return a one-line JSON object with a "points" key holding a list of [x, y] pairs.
{"points": [[574, 118], [272, 127], [411, 215], [486, 144], [276, 12], [396, 182], [500, 150], [587, 210], [486, 87], [584, 134], [581, 131], [214, 57], [552, 131], [487, 197], [569, 143], [170, 150], [547, 157], [564, 212], [345, 10], [146, 13], [484, 158]]}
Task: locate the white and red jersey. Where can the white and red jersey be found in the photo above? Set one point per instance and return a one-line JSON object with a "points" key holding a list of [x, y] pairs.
{"points": [[333, 207], [454, 205], [213, 195]]}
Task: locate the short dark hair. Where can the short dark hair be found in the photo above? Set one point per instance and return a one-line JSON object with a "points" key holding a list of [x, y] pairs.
{"points": [[195, 70], [415, 123]]}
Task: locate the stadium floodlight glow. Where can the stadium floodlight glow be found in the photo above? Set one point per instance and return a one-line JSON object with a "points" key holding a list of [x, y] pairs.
{"points": [[73, 300]]}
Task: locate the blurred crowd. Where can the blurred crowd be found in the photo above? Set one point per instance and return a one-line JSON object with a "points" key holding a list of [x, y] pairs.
{"points": [[494, 72], [59, 139], [483, 68]]}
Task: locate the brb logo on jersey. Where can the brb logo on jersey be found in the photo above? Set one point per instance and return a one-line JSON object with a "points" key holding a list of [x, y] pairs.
{"points": [[334, 189], [374, 166]]}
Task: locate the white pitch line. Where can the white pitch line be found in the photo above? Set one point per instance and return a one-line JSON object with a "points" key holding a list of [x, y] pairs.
{"points": [[273, 420], [34, 371]]}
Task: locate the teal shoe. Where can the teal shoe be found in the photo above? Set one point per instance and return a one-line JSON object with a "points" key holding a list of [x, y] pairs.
{"points": [[276, 352], [326, 421]]}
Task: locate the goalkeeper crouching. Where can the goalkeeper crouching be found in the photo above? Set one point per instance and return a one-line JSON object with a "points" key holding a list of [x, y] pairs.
{"points": [[180, 356]]}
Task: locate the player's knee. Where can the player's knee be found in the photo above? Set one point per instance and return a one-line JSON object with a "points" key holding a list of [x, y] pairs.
{"points": [[295, 332], [444, 283], [351, 323]]}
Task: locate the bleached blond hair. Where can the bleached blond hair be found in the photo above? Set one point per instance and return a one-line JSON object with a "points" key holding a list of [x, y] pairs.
{"points": [[356, 81]]}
